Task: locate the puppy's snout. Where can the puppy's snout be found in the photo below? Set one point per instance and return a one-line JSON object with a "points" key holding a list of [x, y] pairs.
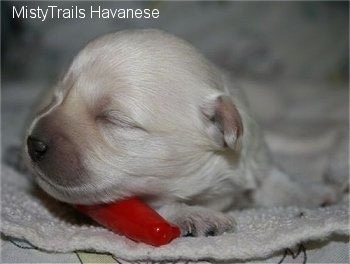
{"points": [[36, 148]]}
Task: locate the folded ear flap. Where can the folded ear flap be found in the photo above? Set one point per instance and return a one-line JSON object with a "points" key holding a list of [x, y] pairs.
{"points": [[225, 123]]}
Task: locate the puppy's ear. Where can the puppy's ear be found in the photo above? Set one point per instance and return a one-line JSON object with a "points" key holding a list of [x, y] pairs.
{"points": [[223, 121]]}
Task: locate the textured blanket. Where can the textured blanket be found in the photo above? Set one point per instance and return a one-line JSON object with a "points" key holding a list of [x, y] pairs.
{"points": [[308, 135], [29, 214]]}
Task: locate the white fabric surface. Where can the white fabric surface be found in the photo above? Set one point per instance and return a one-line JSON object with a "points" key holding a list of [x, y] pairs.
{"points": [[29, 214], [296, 110], [334, 251], [312, 112]]}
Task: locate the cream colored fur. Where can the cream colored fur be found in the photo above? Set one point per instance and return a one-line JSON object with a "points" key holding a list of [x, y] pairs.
{"points": [[138, 113]]}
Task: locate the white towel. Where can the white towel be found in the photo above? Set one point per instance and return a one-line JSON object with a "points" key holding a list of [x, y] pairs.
{"points": [[28, 213]]}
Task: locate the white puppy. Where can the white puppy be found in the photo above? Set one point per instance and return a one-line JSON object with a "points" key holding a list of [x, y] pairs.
{"points": [[141, 112]]}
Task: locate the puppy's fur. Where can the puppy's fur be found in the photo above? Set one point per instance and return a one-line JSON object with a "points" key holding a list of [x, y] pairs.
{"points": [[141, 112]]}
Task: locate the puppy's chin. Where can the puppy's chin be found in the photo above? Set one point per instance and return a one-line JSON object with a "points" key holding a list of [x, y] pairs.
{"points": [[84, 194]]}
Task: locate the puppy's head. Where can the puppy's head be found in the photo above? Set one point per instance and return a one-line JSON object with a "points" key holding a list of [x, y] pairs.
{"points": [[137, 113]]}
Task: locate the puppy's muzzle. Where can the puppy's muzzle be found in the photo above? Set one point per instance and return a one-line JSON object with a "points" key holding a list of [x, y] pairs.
{"points": [[37, 148], [54, 153]]}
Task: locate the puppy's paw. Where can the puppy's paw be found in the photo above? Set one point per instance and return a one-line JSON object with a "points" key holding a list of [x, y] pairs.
{"points": [[205, 223], [198, 221], [323, 195]]}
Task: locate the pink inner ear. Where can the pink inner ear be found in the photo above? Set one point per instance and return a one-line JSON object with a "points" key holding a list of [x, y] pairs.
{"points": [[228, 118]]}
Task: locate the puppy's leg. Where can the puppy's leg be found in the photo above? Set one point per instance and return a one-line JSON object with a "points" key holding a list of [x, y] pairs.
{"points": [[278, 189], [197, 220]]}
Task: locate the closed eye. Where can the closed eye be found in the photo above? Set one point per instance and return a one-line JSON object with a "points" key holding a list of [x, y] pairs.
{"points": [[119, 119]]}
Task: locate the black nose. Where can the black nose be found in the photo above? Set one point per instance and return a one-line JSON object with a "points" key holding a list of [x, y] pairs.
{"points": [[36, 148]]}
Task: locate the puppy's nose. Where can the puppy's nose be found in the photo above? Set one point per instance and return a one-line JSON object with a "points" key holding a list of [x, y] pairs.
{"points": [[36, 148]]}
